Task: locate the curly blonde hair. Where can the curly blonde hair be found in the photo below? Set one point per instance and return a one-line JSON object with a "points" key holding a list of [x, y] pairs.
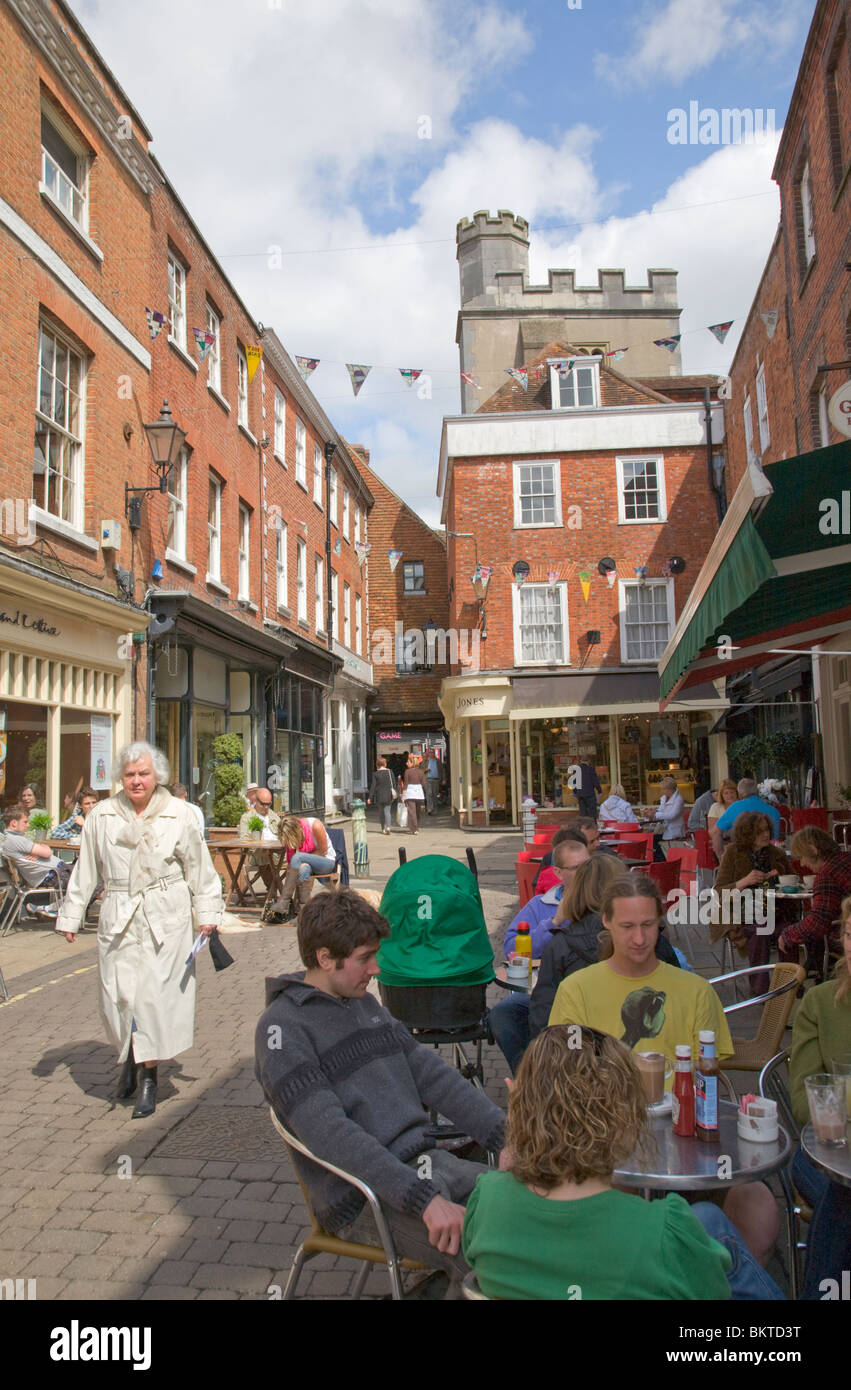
{"points": [[843, 988], [577, 1108]]}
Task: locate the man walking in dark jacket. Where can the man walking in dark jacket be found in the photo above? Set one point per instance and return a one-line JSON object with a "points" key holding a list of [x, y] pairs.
{"points": [[354, 1086], [589, 785]]}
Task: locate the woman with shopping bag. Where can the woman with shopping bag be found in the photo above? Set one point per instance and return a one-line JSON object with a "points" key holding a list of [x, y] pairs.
{"points": [[382, 794], [412, 790]]}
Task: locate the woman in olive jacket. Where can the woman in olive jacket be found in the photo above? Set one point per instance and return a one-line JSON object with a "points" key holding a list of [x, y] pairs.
{"points": [[412, 789]]}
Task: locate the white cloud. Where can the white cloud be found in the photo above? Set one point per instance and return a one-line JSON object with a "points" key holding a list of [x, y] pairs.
{"points": [[687, 36]]}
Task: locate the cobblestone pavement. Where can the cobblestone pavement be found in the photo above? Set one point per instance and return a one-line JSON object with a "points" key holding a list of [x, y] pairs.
{"points": [[198, 1202]]}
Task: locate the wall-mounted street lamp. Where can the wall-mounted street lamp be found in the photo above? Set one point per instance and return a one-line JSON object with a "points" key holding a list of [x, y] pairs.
{"points": [[166, 439]]}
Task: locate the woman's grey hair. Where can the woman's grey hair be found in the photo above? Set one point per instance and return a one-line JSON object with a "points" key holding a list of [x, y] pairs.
{"points": [[132, 752]]}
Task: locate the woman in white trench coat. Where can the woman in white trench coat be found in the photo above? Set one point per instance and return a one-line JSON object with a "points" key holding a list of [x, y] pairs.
{"points": [[145, 847]]}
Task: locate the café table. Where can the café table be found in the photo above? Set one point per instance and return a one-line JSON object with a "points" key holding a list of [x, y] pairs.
{"points": [[501, 978], [835, 1161], [234, 853]]}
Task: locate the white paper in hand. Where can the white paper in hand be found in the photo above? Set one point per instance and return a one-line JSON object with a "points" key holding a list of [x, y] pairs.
{"points": [[199, 941]]}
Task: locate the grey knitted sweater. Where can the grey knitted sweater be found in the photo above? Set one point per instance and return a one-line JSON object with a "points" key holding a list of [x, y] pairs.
{"points": [[352, 1084]]}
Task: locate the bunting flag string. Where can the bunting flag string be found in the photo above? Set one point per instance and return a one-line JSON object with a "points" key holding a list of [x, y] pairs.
{"points": [[470, 380], [253, 355], [362, 549], [155, 322], [585, 581], [357, 375], [204, 340], [338, 545], [306, 365], [618, 353], [565, 367], [394, 556], [519, 374], [410, 374], [770, 321], [721, 330], [670, 343], [611, 576]]}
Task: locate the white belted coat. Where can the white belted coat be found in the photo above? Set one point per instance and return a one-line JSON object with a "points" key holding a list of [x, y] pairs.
{"points": [[144, 940]]}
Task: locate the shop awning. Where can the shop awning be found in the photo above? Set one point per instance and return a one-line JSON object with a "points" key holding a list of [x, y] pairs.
{"points": [[607, 692], [774, 581]]}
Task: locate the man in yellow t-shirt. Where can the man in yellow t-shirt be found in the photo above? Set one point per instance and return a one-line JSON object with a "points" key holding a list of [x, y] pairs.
{"points": [[651, 1007]]}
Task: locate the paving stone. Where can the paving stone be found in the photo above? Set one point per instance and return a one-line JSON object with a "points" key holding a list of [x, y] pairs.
{"points": [[241, 1230], [100, 1291], [247, 1253], [260, 1170], [76, 1242], [206, 1251], [47, 1289], [332, 1284], [173, 1186], [174, 1167], [175, 1272], [206, 1228], [243, 1210], [200, 1206], [261, 1192], [90, 1267], [216, 1169], [168, 1293], [47, 1266], [238, 1278], [219, 1187], [216, 1296], [282, 1233], [135, 1245], [169, 1248], [118, 1221]]}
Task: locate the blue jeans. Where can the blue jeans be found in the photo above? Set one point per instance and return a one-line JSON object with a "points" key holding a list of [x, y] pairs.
{"points": [[509, 1023], [308, 864], [384, 815], [747, 1278], [829, 1236]]}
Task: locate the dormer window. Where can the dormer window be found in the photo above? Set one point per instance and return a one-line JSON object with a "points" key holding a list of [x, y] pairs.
{"points": [[578, 388]]}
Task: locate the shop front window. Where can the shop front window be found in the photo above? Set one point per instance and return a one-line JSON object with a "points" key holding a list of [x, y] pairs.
{"points": [[307, 773], [336, 740], [207, 723], [168, 734], [85, 751], [653, 748], [23, 751]]}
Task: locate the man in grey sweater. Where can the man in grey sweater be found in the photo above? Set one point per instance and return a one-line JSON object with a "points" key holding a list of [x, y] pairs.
{"points": [[354, 1086]]}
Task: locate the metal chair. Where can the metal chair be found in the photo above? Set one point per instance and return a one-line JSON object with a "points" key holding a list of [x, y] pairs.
{"points": [[320, 1241], [19, 895], [773, 1087], [470, 1288], [752, 1054]]}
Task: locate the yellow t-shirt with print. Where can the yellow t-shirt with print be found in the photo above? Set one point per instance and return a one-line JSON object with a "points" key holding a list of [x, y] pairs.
{"points": [[652, 1013]]}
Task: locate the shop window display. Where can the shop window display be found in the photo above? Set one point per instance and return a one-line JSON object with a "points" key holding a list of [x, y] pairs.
{"points": [[23, 748]]}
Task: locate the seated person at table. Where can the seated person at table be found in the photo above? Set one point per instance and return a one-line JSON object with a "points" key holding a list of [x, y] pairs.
{"points": [[582, 828], [831, 865], [616, 807], [820, 1034], [671, 812], [552, 1226], [727, 794], [36, 863], [699, 811], [29, 799], [71, 828], [751, 862], [571, 945], [569, 851], [352, 1084], [262, 809], [651, 1006], [590, 831], [749, 800], [308, 852]]}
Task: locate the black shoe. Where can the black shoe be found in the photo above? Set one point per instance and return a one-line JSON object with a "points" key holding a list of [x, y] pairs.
{"points": [[128, 1080], [147, 1102]]}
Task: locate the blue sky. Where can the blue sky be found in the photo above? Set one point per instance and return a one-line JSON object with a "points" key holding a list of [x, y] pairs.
{"points": [[292, 125]]}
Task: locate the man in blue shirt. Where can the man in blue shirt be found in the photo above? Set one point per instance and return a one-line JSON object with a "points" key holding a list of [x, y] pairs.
{"points": [[432, 781], [749, 801]]}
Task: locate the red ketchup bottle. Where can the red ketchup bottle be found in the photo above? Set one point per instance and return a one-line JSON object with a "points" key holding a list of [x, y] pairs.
{"points": [[682, 1095]]}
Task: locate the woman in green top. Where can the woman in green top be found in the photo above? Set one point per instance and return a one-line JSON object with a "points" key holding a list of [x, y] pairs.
{"points": [[553, 1227], [822, 1032]]}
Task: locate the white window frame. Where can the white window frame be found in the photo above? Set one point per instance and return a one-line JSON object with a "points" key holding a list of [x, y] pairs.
{"points": [[70, 196], [214, 356], [335, 600], [411, 588], [347, 507], [806, 192], [762, 410], [241, 387], [623, 586], [301, 580], [318, 463], [280, 426], [281, 576], [300, 453], [71, 483], [319, 592], [214, 529], [176, 301], [347, 616], [659, 460], [747, 418], [581, 364], [244, 553], [358, 625], [357, 524], [565, 622], [332, 495], [177, 505], [517, 474]]}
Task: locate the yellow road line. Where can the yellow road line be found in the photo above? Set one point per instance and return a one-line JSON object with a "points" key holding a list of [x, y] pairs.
{"points": [[38, 988]]}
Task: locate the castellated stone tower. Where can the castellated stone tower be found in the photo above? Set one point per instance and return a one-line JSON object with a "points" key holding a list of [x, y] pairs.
{"points": [[503, 320]]}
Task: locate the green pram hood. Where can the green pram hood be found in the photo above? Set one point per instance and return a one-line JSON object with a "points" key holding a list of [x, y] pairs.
{"points": [[437, 926]]}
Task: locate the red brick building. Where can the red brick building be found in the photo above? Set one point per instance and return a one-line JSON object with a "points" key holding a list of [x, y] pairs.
{"points": [[582, 507], [786, 458], [408, 613]]}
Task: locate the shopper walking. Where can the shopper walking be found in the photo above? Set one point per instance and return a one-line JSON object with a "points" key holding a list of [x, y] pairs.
{"points": [[382, 794], [412, 789]]}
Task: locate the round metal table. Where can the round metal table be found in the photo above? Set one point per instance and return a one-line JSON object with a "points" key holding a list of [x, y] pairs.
{"points": [[674, 1164], [836, 1162], [501, 978]]}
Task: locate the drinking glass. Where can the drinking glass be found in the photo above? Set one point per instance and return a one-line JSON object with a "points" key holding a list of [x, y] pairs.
{"points": [[841, 1066], [828, 1111]]}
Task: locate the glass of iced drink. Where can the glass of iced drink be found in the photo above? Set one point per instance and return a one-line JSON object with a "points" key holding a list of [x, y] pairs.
{"points": [[841, 1066], [828, 1111], [654, 1068]]}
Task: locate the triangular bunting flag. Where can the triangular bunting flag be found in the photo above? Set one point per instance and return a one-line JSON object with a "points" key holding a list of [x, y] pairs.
{"points": [[155, 322], [585, 581], [394, 556], [721, 330], [770, 321], [618, 353], [470, 380], [641, 571], [306, 365], [520, 374], [410, 374], [338, 545], [611, 576], [362, 549], [203, 341], [552, 578], [566, 367], [357, 375], [252, 357], [670, 343]]}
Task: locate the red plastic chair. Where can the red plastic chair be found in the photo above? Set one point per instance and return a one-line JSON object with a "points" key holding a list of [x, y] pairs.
{"points": [[687, 860], [706, 858], [632, 849], [665, 875], [526, 874], [808, 815], [544, 837], [524, 855]]}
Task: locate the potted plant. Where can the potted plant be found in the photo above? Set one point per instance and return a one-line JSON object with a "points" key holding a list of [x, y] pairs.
{"points": [[39, 825], [789, 751], [255, 827], [228, 804], [745, 755]]}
